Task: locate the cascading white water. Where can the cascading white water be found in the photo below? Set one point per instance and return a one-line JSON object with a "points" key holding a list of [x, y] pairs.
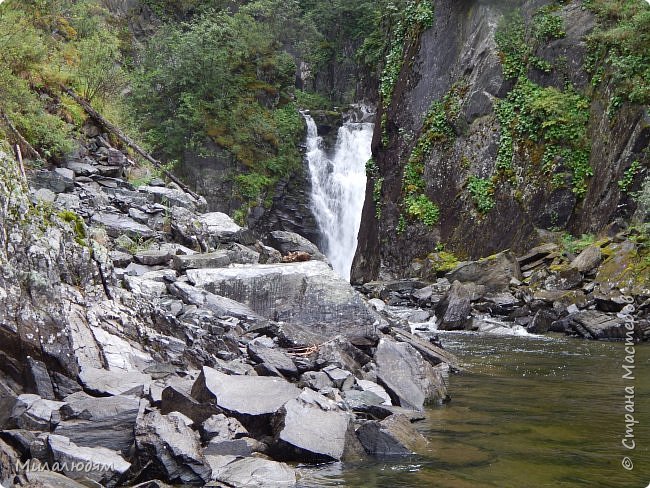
{"points": [[338, 188]]}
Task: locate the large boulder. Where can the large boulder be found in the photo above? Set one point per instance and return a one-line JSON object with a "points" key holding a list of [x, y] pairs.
{"points": [[251, 472], [588, 259], [219, 226], [114, 382], [290, 242], [31, 412], [393, 436], [494, 272], [167, 445], [250, 399], [99, 422], [221, 258], [410, 381], [308, 293], [454, 308], [592, 324], [313, 428], [99, 464], [117, 224], [174, 197], [271, 361]]}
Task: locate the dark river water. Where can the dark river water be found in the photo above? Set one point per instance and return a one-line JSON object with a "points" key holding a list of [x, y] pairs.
{"points": [[528, 412]]}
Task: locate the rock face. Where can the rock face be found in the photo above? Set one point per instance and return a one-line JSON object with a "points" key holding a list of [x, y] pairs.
{"points": [[458, 58], [454, 308], [308, 293], [410, 381]]}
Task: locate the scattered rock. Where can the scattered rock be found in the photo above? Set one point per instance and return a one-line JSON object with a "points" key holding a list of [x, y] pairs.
{"points": [[410, 381], [251, 472], [393, 436]]}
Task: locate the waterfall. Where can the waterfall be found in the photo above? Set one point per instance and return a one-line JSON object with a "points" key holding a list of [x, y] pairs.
{"points": [[338, 184]]}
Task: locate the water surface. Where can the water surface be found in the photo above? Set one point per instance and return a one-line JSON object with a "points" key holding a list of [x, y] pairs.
{"points": [[528, 412]]}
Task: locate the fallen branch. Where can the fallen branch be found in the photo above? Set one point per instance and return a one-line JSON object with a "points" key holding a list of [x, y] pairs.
{"points": [[29, 150], [125, 139]]}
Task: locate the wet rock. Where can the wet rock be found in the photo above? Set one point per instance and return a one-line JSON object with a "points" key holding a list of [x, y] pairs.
{"points": [[118, 224], [613, 301], [592, 324], [542, 321], [274, 360], [393, 436], [251, 472], [167, 445], [290, 242], [175, 399], [250, 399], [588, 259], [494, 272], [312, 428], [410, 381], [309, 293], [454, 308], [31, 412], [99, 422], [106, 466], [228, 447], [116, 382]]}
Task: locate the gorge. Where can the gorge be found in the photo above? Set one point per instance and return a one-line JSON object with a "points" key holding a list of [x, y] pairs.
{"points": [[303, 243]]}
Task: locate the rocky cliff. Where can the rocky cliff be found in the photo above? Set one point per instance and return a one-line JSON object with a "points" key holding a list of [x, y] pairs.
{"points": [[500, 125]]}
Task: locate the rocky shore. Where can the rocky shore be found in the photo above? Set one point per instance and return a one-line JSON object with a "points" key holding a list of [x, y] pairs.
{"points": [[145, 341], [601, 292]]}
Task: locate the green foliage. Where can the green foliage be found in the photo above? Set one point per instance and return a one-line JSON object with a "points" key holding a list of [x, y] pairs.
{"points": [[573, 244], [225, 77], [312, 101], [43, 44], [482, 192], [406, 22], [401, 225], [619, 48], [372, 172], [628, 176], [422, 208], [547, 25], [77, 223], [443, 261], [643, 199]]}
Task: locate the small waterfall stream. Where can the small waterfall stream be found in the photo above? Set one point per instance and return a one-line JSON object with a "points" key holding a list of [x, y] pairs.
{"points": [[338, 183]]}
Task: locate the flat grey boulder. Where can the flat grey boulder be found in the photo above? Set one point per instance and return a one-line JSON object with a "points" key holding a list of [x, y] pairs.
{"points": [[493, 272], [313, 428], [98, 463], [454, 308], [251, 472], [153, 257], [243, 396], [31, 412], [592, 324], [308, 293], [173, 197], [274, 361], [50, 479], [287, 242], [410, 381], [114, 382], [220, 306], [118, 224], [174, 399], [99, 421], [588, 259], [393, 436], [217, 259], [171, 447], [219, 225]]}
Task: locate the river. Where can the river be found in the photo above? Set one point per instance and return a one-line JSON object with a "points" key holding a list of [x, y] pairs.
{"points": [[528, 412]]}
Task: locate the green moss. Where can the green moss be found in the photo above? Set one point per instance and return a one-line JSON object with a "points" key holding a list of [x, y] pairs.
{"points": [[574, 244], [422, 208], [443, 261], [628, 176]]}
